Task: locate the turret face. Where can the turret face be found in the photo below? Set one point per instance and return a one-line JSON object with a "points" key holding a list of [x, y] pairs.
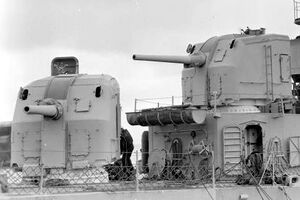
{"points": [[66, 121]]}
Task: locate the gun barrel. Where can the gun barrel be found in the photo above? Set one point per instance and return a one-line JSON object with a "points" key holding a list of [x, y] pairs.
{"points": [[46, 110], [191, 59]]}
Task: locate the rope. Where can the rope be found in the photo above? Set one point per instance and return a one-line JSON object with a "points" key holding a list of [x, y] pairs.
{"points": [[201, 181]]}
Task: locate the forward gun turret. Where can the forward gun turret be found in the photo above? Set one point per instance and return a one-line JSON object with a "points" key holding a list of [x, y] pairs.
{"points": [[64, 121]]}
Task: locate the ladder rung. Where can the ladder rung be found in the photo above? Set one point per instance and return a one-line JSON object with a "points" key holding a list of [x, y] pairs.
{"points": [[232, 156], [232, 132], [232, 163]]}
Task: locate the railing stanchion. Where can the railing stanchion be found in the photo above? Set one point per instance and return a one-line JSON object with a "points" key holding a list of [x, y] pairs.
{"points": [[213, 175], [172, 100], [213, 170], [41, 178], [135, 102], [137, 170]]}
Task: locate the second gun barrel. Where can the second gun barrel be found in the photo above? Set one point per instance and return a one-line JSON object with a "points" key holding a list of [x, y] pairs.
{"points": [[191, 59]]}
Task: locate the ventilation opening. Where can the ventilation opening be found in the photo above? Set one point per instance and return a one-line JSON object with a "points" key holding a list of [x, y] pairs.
{"points": [[24, 94], [98, 92], [232, 44]]}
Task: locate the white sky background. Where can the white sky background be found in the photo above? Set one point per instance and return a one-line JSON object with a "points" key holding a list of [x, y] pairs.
{"points": [[103, 35]]}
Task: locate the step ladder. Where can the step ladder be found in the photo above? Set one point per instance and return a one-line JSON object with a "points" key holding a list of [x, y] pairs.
{"points": [[269, 72], [297, 12]]}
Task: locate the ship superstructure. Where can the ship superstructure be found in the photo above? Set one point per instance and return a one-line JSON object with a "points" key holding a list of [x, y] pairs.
{"points": [[237, 105]]}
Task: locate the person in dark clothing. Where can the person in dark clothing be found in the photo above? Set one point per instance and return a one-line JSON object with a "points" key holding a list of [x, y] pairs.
{"points": [[122, 169], [126, 145]]}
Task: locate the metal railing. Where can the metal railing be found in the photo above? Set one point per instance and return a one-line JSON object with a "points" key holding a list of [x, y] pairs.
{"points": [[171, 171], [148, 103], [182, 173], [145, 103]]}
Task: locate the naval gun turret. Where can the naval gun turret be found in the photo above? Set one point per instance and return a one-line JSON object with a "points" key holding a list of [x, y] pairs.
{"points": [[237, 68], [236, 98], [67, 121]]}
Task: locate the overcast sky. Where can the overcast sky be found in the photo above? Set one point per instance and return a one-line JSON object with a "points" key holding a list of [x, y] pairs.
{"points": [[103, 35]]}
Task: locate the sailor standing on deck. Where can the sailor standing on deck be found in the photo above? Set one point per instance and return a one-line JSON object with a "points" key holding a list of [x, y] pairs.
{"points": [[127, 147]]}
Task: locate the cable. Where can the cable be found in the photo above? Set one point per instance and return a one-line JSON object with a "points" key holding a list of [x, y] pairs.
{"points": [[201, 180], [257, 185], [285, 193]]}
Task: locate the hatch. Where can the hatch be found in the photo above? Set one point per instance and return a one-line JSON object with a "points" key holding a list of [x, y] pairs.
{"points": [[253, 140], [294, 148]]}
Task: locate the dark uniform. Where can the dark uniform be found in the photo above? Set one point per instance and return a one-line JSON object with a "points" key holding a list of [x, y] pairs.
{"points": [[122, 169], [127, 147]]}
